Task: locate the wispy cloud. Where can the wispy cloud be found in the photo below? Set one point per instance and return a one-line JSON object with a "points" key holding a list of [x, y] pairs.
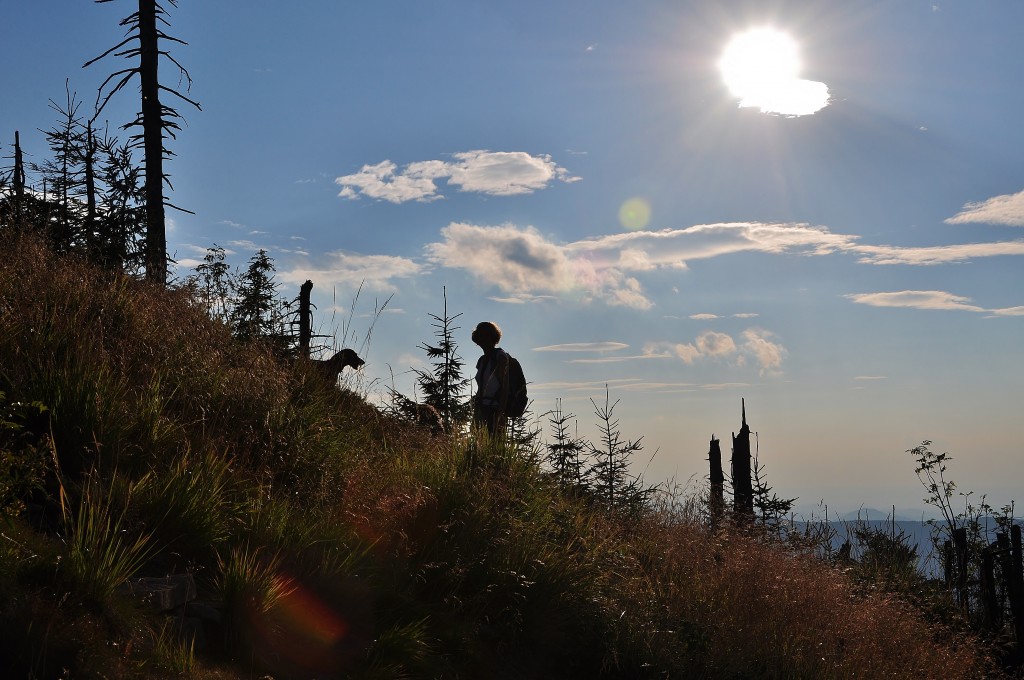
{"points": [[721, 386], [496, 173], [917, 299], [706, 316], [1007, 209], [583, 347], [245, 244], [522, 262], [349, 270], [581, 386], [937, 254], [618, 359], [674, 247], [595, 387]]}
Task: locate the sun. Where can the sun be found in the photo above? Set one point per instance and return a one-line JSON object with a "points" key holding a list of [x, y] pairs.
{"points": [[761, 68], [759, 59]]}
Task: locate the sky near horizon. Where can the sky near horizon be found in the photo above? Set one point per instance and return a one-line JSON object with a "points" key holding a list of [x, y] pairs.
{"points": [[817, 208]]}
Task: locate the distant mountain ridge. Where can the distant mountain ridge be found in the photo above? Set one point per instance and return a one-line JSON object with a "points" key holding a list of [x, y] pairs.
{"points": [[899, 514]]}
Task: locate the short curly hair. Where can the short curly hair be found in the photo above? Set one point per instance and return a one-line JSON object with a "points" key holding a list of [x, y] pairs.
{"points": [[486, 331]]}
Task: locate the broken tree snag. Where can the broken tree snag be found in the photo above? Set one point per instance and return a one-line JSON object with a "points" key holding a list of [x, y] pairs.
{"points": [[305, 318], [990, 609], [716, 502], [1015, 583], [742, 487], [960, 556], [18, 178]]}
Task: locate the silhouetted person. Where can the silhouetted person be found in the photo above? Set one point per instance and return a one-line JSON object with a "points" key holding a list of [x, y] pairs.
{"points": [[491, 379]]}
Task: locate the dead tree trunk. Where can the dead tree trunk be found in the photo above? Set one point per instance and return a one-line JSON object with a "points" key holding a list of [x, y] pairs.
{"points": [[305, 319], [716, 501], [92, 242], [960, 562], [990, 611], [1015, 584], [153, 143], [18, 179], [948, 562], [157, 120], [742, 487]]}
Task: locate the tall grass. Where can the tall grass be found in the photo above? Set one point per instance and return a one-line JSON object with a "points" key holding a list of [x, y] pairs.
{"points": [[340, 542], [103, 549], [191, 501]]}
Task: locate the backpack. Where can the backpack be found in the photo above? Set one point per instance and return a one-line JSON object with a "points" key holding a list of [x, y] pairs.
{"points": [[517, 399]]}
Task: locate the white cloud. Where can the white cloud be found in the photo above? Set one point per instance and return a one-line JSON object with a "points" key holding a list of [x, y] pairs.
{"points": [[724, 386], [936, 254], [703, 317], [929, 299], [522, 262], [513, 259], [589, 385], [583, 347], [721, 346], [349, 270], [916, 299], [191, 247], [184, 263], [674, 247], [522, 298], [381, 182], [714, 344], [501, 173], [1007, 209], [245, 244], [688, 353], [619, 359], [769, 354], [496, 173]]}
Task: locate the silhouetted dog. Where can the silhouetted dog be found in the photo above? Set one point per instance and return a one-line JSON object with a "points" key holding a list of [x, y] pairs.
{"points": [[331, 368]]}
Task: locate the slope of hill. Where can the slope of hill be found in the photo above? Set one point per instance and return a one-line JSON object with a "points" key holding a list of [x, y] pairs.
{"points": [[187, 505]]}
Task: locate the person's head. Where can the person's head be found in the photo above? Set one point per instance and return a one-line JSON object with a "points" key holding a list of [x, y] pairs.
{"points": [[486, 334]]}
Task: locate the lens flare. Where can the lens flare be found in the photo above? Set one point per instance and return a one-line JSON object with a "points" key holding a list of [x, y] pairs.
{"points": [[311, 631], [635, 214]]}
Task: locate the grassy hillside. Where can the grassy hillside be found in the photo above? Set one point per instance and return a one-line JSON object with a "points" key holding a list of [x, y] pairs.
{"points": [[325, 539]]}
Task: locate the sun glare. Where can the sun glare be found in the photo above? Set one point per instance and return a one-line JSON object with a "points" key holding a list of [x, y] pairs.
{"points": [[761, 68]]}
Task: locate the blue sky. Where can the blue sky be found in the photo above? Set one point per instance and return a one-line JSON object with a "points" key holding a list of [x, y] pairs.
{"points": [[580, 173]]}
